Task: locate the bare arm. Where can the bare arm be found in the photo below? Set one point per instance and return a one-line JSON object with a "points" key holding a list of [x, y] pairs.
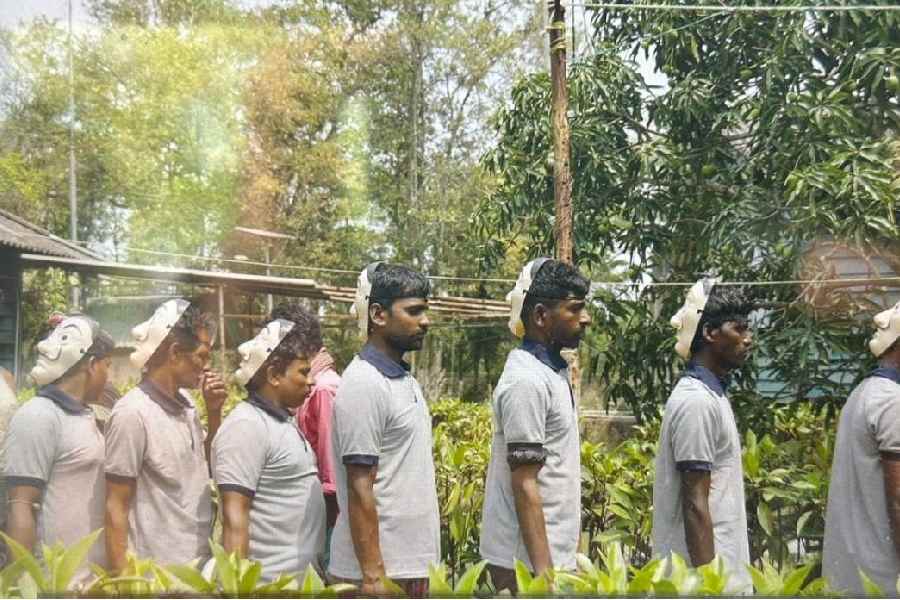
{"points": [[236, 523], [119, 492], [214, 395], [530, 513], [890, 466], [698, 529], [21, 523], [363, 517]]}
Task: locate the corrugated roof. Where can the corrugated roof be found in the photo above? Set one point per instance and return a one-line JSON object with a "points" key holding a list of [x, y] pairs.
{"points": [[16, 232]]}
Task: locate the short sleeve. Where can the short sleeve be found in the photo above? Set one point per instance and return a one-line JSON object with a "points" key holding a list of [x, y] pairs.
{"points": [[126, 443], [31, 445], [883, 415], [239, 454], [522, 409], [359, 420], [694, 428]]}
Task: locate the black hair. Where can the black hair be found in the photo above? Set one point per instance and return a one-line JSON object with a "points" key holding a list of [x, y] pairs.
{"points": [[554, 281], [306, 324], [303, 340], [392, 282], [725, 303], [185, 332]]}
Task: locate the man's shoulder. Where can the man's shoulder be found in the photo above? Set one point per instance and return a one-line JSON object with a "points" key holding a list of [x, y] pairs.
{"points": [[690, 392], [243, 417], [37, 408], [360, 374]]}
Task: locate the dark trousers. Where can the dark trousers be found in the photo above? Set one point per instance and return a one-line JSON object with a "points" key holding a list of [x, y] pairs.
{"points": [[503, 578]]}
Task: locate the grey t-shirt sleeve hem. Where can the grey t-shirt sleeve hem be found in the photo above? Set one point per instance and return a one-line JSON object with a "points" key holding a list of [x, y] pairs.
{"points": [[16, 480], [693, 465], [233, 487], [525, 453], [360, 460]]}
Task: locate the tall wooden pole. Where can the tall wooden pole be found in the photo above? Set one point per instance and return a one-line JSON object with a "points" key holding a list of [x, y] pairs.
{"points": [[562, 177]]}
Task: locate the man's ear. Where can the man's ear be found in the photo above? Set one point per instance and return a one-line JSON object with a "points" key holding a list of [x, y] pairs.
{"points": [[377, 314], [539, 314], [710, 334], [272, 376], [174, 351]]}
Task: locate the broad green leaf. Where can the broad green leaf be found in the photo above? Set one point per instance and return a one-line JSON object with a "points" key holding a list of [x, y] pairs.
{"points": [[872, 589], [523, 576], [468, 583], [192, 577], [28, 562], [312, 584], [392, 588], [72, 559]]}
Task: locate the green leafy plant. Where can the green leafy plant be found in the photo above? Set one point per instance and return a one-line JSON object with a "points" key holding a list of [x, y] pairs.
{"points": [[56, 571]]}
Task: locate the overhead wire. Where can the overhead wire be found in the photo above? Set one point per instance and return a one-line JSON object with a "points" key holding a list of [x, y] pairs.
{"points": [[740, 8]]}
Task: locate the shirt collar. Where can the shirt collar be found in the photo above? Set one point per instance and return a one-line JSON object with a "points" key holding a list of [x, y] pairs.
{"points": [[887, 372], [541, 352], [175, 405], [707, 377], [268, 407], [62, 400], [385, 364]]}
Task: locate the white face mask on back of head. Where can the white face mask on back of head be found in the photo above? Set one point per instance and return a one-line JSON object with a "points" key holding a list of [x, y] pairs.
{"points": [[360, 307], [62, 349], [686, 320], [255, 352], [887, 332], [516, 296], [147, 336]]}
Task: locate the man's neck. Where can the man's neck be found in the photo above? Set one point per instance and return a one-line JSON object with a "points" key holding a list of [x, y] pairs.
{"points": [[164, 380], [539, 337], [890, 360], [269, 395], [386, 348], [74, 387], [706, 359]]}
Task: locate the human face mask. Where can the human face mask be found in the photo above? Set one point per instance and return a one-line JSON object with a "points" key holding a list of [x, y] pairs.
{"points": [[887, 332], [686, 320], [360, 306], [147, 336], [516, 296], [255, 352], [69, 341]]}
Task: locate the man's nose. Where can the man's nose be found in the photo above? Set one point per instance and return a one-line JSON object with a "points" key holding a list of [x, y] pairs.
{"points": [[585, 319]]}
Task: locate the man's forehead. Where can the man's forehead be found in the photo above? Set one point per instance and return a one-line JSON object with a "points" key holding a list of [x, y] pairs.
{"points": [[411, 301]]}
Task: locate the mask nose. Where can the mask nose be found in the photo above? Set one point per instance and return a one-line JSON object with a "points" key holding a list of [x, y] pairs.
{"points": [[677, 320], [49, 349]]}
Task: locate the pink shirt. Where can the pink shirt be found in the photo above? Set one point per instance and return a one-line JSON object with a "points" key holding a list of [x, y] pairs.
{"points": [[314, 417]]}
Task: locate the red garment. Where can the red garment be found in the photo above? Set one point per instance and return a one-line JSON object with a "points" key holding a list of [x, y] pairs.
{"points": [[314, 417]]}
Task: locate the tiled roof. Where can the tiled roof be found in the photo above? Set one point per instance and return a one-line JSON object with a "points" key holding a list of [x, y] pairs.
{"points": [[16, 232]]}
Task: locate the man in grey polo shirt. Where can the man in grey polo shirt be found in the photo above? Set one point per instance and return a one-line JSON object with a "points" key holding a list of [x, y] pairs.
{"points": [[158, 500], [388, 523], [54, 450], [272, 503], [862, 521], [698, 495], [532, 504]]}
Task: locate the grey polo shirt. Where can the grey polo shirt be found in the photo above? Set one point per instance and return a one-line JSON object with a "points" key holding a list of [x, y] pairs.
{"points": [[699, 432], [534, 421], [381, 419], [259, 452], [53, 444], [857, 527], [157, 441]]}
